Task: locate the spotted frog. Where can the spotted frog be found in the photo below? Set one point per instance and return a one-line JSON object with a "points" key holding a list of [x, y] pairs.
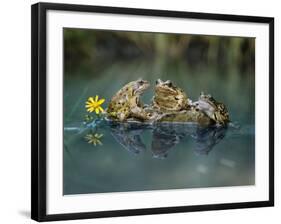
{"points": [[169, 98], [172, 105], [215, 110], [126, 103]]}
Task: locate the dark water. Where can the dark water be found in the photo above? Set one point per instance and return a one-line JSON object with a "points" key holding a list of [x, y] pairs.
{"points": [[136, 157]]}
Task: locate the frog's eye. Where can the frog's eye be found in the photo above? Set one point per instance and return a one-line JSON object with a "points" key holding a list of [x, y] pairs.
{"points": [[169, 83], [141, 82], [158, 81]]}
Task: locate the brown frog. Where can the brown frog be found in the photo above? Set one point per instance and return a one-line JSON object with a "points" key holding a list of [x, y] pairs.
{"points": [[172, 105], [169, 98], [215, 110], [126, 103]]}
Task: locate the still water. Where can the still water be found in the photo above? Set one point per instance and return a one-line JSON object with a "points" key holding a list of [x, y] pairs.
{"points": [[137, 157]]}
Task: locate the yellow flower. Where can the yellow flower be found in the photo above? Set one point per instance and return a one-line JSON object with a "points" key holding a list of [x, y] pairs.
{"points": [[94, 104], [94, 138]]}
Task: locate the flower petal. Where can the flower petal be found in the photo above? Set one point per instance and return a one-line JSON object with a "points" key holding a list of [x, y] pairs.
{"points": [[101, 109], [97, 110], [90, 109], [100, 101], [91, 99], [97, 98]]}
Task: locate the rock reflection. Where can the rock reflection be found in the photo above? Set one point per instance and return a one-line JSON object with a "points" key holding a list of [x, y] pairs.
{"points": [[166, 136]]}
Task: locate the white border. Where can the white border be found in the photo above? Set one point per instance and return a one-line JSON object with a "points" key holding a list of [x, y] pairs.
{"points": [[57, 203]]}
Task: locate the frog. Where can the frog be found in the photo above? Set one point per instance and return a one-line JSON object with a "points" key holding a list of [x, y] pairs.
{"points": [[173, 105], [169, 98], [126, 104], [217, 111]]}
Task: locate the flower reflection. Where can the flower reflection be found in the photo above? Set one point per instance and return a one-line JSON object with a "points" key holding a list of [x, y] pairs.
{"points": [[94, 138], [88, 118]]}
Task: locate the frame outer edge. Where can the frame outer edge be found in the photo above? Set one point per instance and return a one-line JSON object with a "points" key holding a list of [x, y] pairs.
{"points": [[34, 113], [39, 103], [38, 112], [155, 12], [271, 112]]}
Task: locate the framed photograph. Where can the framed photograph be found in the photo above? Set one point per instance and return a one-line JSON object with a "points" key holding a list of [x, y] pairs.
{"points": [[139, 111]]}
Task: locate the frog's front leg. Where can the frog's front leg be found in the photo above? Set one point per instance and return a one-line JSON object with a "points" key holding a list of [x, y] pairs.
{"points": [[138, 112]]}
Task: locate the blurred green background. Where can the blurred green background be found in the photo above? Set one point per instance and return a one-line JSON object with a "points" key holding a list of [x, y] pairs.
{"points": [[98, 62], [89, 46]]}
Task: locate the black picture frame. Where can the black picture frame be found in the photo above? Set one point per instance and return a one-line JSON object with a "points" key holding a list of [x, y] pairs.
{"points": [[38, 108]]}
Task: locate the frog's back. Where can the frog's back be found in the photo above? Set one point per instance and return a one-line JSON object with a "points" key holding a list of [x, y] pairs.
{"points": [[119, 105], [222, 113]]}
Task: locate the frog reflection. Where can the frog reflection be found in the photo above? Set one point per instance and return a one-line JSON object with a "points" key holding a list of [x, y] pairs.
{"points": [[207, 138], [166, 136], [128, 135]]}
